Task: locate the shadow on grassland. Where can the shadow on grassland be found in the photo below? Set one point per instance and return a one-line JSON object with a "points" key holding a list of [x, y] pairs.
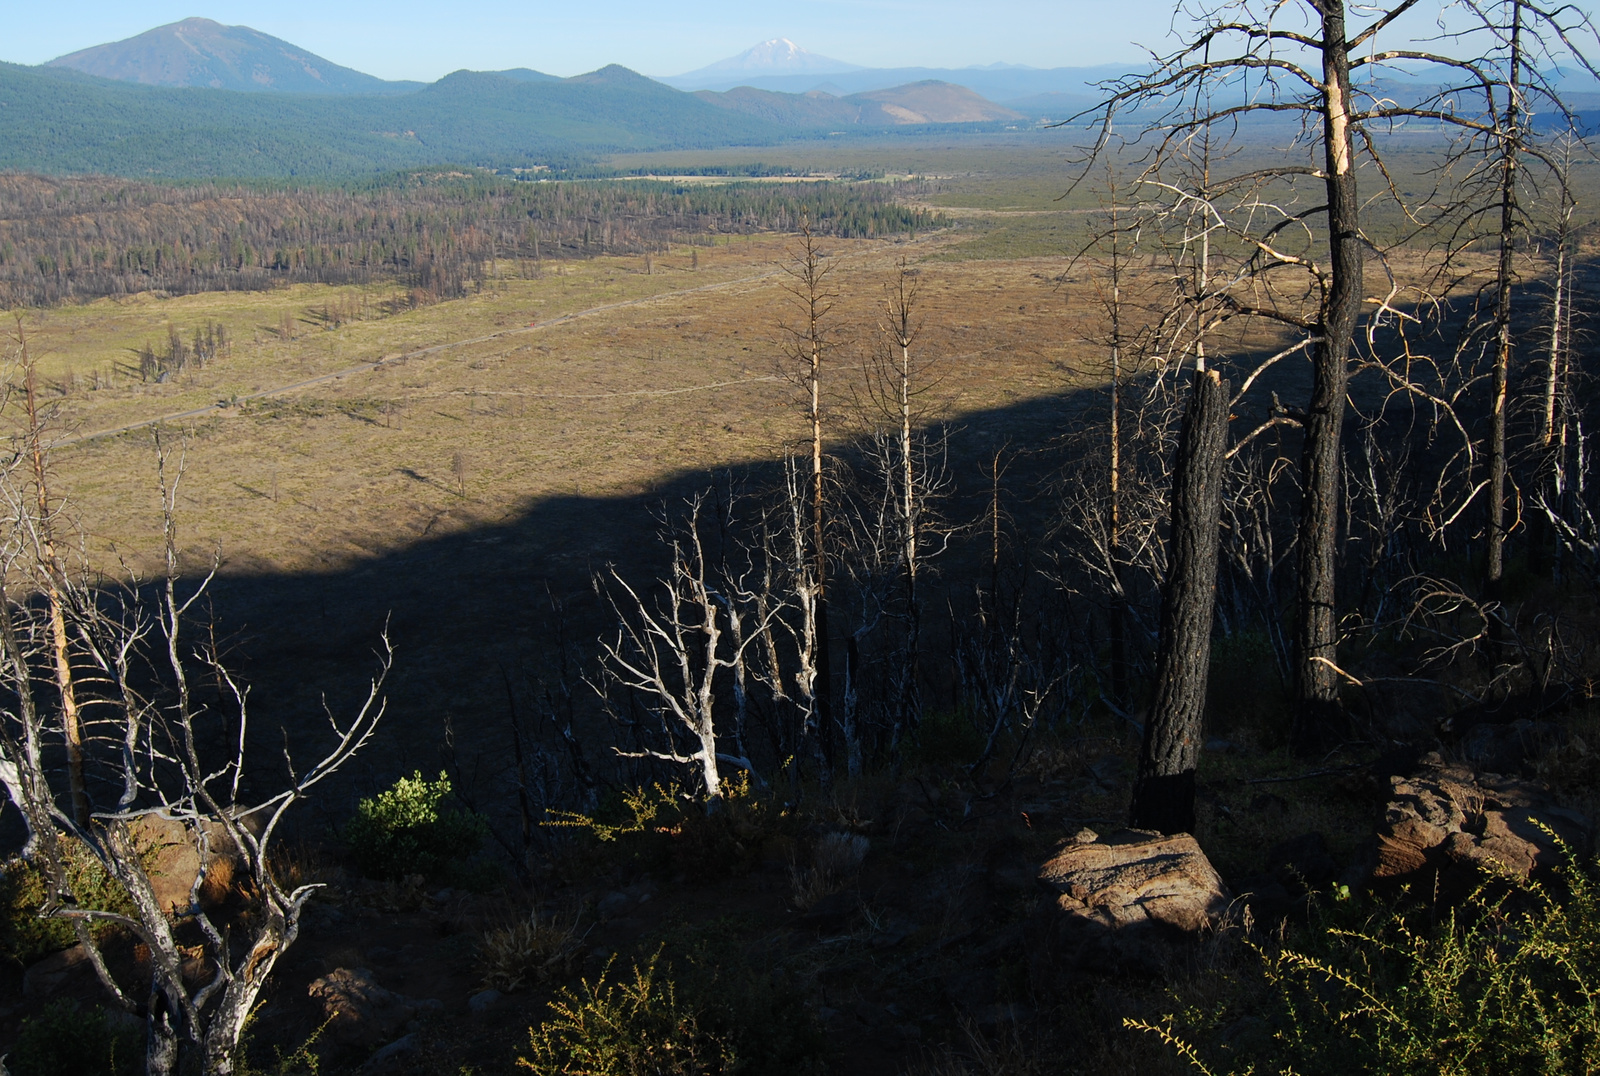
{"points": [[463, 606]]}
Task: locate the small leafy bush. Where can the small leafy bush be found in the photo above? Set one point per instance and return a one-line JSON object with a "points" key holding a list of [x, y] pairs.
{"points": [[24, 937], [716, 1014], [626, 1028], [662, 828], [1509, 983], [65, 1038], [404, 832]]}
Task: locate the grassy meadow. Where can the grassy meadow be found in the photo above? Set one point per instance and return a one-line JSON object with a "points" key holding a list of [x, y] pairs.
{"points": [[459, 474], [594, 378]]}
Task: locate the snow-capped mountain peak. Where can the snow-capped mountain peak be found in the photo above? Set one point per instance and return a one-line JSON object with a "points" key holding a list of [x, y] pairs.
{"points": [[779, 56]]}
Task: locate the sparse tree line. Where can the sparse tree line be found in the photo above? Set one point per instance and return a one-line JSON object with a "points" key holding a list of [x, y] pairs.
{"points": [[206, 344], [1357, 460], [78, 239], [1331, 453]]}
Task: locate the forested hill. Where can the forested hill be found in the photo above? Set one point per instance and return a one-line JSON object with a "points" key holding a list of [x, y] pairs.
{"points": [[61, 121], [200, 52]]}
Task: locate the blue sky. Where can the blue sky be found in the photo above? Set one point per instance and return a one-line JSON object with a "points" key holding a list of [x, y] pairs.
{"points": [[424, 40]]}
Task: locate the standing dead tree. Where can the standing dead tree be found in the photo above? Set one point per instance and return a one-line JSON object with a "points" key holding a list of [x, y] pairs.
{"points": [[1225, 48], [808, 344], [1246, 61], [889, 530], [151, 754], [676, 651], [1164, 791], [1210, 225]]}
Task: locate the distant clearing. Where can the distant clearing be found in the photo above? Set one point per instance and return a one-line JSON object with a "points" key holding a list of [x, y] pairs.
{"points": [[669, 375]]}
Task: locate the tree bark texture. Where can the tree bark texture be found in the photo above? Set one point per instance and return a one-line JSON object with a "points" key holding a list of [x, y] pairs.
{"points": [[1511, 148], [1163, 792], [1316, 685]]}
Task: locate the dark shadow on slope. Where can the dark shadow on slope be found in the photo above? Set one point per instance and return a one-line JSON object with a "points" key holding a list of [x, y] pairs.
{"points": [[462, 607]]}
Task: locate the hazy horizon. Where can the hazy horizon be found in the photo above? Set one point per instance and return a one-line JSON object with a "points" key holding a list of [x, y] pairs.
{"points": [[410, 40]]}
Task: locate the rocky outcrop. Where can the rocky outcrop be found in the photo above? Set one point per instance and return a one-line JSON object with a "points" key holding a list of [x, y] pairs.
{"points": [[1448, 817], [1118, 898], [172, 859], [362, 1013]]}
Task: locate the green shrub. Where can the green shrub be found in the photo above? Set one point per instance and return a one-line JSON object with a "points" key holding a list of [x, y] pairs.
{"points": [[24, 936], [65, 1039], [403, 831], [626, 1028], [661, 828], [717, 1014], [1508, 984]]}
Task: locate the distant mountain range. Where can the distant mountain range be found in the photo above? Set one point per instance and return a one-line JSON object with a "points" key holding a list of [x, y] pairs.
{"points": [[779, 57], [202, 53], [916, 103], [198, 100], [199, 52], [782, 66]]}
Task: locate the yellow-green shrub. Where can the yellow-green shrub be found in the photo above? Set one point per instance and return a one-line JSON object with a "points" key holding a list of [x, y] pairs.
{"points": [[24, 936], [1507, 984]]}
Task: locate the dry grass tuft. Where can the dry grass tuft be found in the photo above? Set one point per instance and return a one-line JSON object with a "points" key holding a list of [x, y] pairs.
{"points": [[1003, 1054], [835, 860], [531, 951]]}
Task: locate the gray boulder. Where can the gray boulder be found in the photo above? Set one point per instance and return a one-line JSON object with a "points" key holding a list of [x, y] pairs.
{"points": [[1118, 900], [362, 1013], [1449, 817]]}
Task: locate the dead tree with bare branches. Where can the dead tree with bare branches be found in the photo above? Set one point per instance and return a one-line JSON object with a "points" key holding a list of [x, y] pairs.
{"points": [[680, 651], [808, 345], [145, 759]]}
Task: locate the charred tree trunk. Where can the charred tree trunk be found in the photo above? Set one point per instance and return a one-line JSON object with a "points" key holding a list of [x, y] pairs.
{"points": [[1163, 792], [1510, 150], [1317, 712]]}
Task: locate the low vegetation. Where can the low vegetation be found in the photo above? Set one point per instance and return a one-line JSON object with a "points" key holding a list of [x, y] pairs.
{"points": [[405, 831], [768, 628], [69, 1037], [1503, 983]]}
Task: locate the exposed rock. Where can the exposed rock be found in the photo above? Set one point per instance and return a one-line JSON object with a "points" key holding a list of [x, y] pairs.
{"points": [[612, 905], [483, 1001], [1117, 895], [1449, 817], [174, 860], [620, 902], [359, 1011], [380, 1060], [1136, 878]]}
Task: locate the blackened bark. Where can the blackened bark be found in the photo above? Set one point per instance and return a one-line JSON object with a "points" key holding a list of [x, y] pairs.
{"points": [[1317, 715], [1510, 150], [1163, 792]]}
